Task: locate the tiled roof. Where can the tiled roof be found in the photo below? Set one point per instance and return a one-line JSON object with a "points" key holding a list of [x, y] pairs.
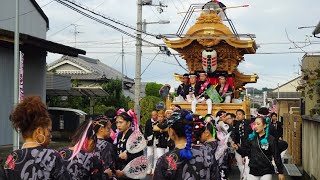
{"points": [[99, 70]]}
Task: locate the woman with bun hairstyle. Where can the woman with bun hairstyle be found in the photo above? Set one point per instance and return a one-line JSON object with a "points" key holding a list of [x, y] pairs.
{"points": [[81, 163], [34, 160], [124, 124], [104, 149], [184, 162], [261, 148]]}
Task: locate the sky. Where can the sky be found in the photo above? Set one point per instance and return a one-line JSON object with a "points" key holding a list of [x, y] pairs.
{"points": [[275, 24]]}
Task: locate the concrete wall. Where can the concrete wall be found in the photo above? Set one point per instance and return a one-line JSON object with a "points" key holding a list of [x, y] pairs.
{"points": [[31, 22], [310, 147], [311, 63], [6, 94]]}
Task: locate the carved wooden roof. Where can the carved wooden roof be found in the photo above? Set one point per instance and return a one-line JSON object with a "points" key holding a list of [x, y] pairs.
{"points": [[209, 31]]}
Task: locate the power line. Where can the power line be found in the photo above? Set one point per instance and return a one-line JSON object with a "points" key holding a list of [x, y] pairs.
{"points": [[26, 12], [298, 42], [176, 7], [72, 23], [155, 13], [103, 22], [106, 17], [113, 67], [294, 52], [149, 63], [179, 63], [155, 60]]}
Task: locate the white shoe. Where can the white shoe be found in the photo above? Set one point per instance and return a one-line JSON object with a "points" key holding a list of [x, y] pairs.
{"points": [[149, 171]]}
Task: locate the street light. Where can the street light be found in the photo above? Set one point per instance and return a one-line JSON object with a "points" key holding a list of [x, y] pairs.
{"points": [[305, 27], [144, 23]]}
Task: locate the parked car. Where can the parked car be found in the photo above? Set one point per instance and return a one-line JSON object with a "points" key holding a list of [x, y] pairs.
{"points": [[65, 121]]}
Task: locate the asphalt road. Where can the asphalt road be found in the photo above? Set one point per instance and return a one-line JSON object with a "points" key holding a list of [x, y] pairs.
{"points": [[234, 175]]}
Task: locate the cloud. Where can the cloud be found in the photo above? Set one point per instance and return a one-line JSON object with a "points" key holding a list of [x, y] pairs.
{"points": [[267, 19]]}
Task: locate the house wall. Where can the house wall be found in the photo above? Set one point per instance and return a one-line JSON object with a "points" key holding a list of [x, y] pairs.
{"points": [[6, 93], [311, 63], [290, 87], [35, 74], [34, 84], [31, 22], [283, 106]]}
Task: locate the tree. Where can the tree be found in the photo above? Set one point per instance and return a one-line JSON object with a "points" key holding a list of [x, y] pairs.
{"points": [[266, 89], [115, 96], [148, 104], [115, 99], [152, 89]]}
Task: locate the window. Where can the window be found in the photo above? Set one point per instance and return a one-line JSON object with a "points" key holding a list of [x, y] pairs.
{"points": [[61, 120]]}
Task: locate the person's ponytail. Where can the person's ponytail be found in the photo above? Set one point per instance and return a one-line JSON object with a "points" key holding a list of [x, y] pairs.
{"points": [[186, 153]]}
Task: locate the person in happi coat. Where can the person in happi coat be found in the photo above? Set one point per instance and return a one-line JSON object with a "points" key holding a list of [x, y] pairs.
{"points": [[148, 135], [200, 93], [124, 123], [184, 162], [34, 160], [79, 158], [182, 87], [224, 88]]}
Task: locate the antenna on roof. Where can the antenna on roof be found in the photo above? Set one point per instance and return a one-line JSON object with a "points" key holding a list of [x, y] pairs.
{"points": [[75, 33]]}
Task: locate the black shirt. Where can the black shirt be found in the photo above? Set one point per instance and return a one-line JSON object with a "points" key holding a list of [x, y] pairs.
{"points": [[148, 131], [171, 166], [276, 130], [260, 159], [201, 92], [121, 147], [85, 166], [162, 137], [182, 90], [105, 151], [218, 90], [34, 163], [242, 129], [214, 167]]}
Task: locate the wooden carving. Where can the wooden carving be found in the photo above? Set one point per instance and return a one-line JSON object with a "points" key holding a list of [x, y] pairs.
{"points": [[212, 17]]}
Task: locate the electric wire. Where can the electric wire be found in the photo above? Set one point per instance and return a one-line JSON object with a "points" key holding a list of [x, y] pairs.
{"points": [[104, 23], [106, 17]]}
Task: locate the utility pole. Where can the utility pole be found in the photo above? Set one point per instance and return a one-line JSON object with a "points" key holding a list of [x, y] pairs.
{"points": [[253, 96], [137, 79], [264, 98], [278, 91], [122, 74], [16, 80]]}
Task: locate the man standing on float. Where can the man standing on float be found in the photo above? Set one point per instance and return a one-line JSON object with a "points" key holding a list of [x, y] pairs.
{"points": [[200, 93]]}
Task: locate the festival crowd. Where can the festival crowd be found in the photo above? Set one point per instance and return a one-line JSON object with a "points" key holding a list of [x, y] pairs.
{"points": [[179, 144]]}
